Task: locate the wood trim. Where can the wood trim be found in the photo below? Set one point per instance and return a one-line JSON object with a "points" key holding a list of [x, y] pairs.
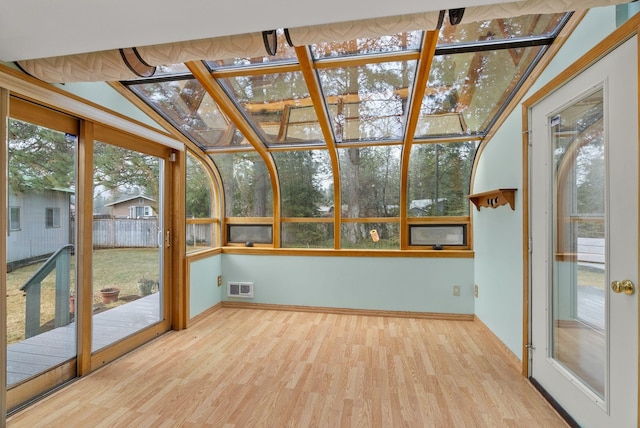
{"points": [[508, 353], [371, 220], [268, 68], [128, 344], [33, 113], [176, 308], [307, 220], [348, 311], [84, 253], [43, 93], [439, 220], [198, 255], [22, 393], [203, 315], [329, 252], [116, 137], [313, 85], [419, 88], [204, 220], [4, 122]]}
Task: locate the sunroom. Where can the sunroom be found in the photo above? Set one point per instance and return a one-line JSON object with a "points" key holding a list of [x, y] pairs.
{"points": [[377, 166]]}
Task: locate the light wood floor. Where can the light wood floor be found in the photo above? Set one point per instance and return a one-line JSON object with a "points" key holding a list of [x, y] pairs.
{"points": [[243, 368]]}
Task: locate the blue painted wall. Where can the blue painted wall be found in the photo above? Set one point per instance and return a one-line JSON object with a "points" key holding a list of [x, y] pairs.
{"points": [[498, 241], [203, 284], [393, 284]]}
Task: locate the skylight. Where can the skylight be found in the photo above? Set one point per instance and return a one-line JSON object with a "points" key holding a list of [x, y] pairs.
{"points": [[356, 92]]}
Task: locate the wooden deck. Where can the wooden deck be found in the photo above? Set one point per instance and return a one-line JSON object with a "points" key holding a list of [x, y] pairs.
{"points": [[46, 350]]}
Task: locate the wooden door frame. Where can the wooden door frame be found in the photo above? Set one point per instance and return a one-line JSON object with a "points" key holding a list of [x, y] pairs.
{"points": [[95, 119]]}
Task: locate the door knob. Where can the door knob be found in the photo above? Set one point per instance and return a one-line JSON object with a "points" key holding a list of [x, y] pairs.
{"points": [[625, 287]]}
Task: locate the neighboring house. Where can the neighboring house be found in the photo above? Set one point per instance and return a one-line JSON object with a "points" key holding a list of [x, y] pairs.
{"points": [[132, 207], [39, 224]]}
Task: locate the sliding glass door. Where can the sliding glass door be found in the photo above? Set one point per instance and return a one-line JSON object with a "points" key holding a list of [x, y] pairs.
{"points": [[40, 249], [127, 243]]}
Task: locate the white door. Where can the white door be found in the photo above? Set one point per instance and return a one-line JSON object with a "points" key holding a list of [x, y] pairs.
{"points": [[584, 235]]}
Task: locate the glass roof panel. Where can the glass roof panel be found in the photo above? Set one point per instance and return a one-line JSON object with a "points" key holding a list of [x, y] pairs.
{"points": [[466, 91], [187, 105], [278, 105], [284, 53], [499, 29], [368, 102], [387, 44]]}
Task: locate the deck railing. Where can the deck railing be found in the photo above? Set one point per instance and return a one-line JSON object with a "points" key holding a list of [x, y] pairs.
{"points": [[60, 261]]}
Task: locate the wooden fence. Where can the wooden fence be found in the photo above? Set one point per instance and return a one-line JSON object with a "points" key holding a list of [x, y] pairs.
{"points": [[128, 233]]}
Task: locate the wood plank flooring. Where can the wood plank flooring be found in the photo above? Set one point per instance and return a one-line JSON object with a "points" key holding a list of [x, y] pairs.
{"points": [[246, 368]]}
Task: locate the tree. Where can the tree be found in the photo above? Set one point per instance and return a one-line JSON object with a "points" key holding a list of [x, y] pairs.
{"points": [[39, 158], [121, 172]]}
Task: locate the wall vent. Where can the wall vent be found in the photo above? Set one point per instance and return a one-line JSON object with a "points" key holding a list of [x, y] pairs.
{"points": [[240, 289]]}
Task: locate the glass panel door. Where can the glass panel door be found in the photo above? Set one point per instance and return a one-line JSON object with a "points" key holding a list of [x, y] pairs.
{"points": [[127, 243], [579, 271], [41, 285]]}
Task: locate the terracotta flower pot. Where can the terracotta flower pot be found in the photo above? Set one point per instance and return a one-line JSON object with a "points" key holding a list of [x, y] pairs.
{"points": [[109, 295]]}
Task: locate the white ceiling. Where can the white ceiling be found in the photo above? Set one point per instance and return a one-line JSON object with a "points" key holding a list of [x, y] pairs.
{"points": [[44, 28]]}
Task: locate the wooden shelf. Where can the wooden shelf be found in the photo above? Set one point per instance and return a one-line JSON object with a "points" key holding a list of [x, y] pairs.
{"points": [[494, 198]]}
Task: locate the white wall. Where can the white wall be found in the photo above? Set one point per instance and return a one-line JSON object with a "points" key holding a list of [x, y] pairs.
{"points": [[498, 232]]}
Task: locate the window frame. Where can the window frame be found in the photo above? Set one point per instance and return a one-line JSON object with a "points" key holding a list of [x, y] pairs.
{"points": [[12, 218], [51, 214]]}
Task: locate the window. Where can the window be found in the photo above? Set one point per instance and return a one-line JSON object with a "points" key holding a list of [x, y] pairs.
{"points": [[14, 218], [52, 218], [250, 234], [201, 224], [438, 235], [142, 211]]}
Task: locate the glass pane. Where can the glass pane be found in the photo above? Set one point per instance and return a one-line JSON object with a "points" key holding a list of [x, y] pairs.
{"points": [[199, 193], [41, 285], [250, 234], [200, 236], [508, 28], [370, 180], [306, 183], [438, 235], [307, 235], [368, 102], [439, 177], [187, 105], [386, 44], [465, 91], [127, 257], [363, 235], [579, 271], [246, 183], [284, 53], [279, 106], [199, 205]]}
